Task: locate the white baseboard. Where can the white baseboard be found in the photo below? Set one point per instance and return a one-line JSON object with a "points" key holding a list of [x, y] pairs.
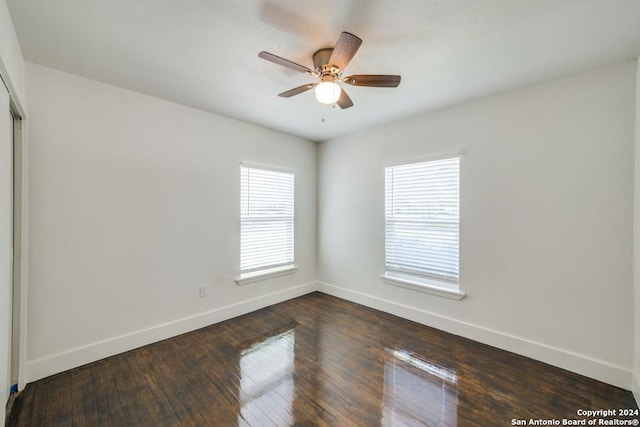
{"points": [[636, 387], [581, 364], [46, 366], [584, 365]]}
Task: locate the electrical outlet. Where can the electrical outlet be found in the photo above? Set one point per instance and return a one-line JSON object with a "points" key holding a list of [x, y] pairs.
{"points": [[204, 291]]}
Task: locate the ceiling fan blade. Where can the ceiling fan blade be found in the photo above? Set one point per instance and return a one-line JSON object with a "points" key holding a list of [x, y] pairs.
{"points": [[285, 62], [376, 80], [345, 48], [297, 90], [344, 101]]}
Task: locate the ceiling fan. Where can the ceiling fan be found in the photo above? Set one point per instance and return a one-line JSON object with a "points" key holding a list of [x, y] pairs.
{"points": [[329, 64]]}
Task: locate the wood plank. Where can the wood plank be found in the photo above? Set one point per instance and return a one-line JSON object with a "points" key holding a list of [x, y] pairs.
{"points": [[313, 361]]}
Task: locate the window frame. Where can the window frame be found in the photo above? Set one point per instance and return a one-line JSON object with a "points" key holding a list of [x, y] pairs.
{"points": [[446, 288], [268, 271]]}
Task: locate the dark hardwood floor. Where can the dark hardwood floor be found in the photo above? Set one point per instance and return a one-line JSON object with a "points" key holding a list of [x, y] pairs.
{"points": [[314, 361]]}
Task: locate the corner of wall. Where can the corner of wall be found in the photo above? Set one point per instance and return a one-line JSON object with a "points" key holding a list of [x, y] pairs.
{"points": [[317, 224]]}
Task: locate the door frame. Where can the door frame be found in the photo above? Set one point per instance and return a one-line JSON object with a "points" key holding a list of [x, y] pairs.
{"points": [[21, 204], [19, 303]]}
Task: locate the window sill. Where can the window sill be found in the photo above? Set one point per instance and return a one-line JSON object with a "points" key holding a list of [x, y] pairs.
{"points": [[257, 276], [420, 284]]}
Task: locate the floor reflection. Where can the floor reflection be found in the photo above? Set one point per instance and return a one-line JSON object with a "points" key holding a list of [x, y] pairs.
{"points": [[417, 392], [266, 381]]}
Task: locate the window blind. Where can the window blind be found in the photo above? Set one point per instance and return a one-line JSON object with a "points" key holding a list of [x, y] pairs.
{"points": [[266, 219], [422, 204]]}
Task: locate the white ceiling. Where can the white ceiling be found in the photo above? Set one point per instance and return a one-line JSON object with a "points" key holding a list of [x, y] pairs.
{"points": [[203, 53]]}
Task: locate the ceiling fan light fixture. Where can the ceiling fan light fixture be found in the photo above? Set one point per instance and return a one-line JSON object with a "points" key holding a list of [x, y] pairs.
{"points": [[329, 63], [328, 92]]}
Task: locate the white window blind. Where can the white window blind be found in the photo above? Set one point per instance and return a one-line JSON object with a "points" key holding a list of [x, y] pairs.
{"points": [[266, 219], [422, 204]]}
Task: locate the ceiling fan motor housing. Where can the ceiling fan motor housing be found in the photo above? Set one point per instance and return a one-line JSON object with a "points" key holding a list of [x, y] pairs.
{"points": [[321, 62]]}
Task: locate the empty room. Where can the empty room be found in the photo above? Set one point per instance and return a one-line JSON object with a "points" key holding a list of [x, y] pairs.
{"points": [[337, 213]]}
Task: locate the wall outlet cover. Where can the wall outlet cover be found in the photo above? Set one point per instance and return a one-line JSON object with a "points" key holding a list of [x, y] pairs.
{"points": [[204, 291]]}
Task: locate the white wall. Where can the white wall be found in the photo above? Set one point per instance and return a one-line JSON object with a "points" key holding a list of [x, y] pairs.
{"points": [[11, 61], [546, 220], [636, 247], [134, 202]]}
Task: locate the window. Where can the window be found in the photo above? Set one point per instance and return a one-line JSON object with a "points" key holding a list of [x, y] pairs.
{"points": [[266, 224], [422, 206]]}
